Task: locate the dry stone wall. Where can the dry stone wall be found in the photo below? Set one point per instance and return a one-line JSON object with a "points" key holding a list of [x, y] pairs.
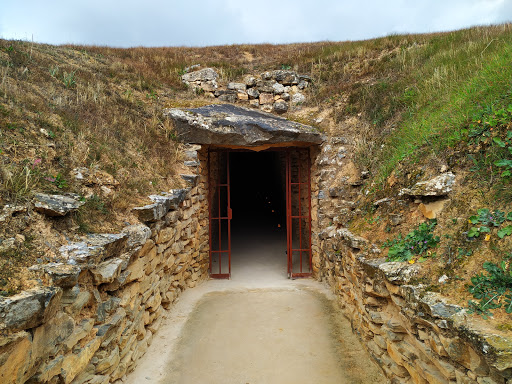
{"points": [[103, 304], [271, 91], [414, 335]]}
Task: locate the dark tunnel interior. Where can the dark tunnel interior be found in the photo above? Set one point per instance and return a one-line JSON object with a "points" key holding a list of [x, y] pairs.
{"points": [[258, 196]]}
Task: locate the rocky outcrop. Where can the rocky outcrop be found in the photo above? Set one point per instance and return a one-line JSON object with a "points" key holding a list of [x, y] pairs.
{"points": [[223, 124], [94, 248], [28, 309], [438, 186], [57, 205], [161, 204]]}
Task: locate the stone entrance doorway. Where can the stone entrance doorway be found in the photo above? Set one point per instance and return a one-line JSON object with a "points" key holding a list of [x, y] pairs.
{"points": [[257, 199], [258, 180]]}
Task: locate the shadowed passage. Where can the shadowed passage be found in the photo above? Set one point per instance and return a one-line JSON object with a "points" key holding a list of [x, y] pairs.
{"points": [[258, 202]]}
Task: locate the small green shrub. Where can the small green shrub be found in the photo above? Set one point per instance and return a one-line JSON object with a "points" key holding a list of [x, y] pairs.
{"points": [[487, 221], [59, 181], [492, 290], [69, 79], [415, 243]]}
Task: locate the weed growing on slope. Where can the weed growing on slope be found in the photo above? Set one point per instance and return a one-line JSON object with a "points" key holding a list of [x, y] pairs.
{"points": [[19, 180], [492, 290], [418, 242], [68, 78]]}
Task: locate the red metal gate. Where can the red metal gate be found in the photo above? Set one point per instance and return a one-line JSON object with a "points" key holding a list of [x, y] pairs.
{"points": [[220, 214], [298, 212]]}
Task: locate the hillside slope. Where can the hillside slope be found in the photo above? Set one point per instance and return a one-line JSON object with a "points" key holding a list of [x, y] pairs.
{"points": [[413, 105]]}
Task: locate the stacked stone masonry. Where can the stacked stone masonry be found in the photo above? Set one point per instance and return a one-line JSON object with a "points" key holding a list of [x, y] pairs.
{"points": [[272, 91], [104, 303], [415, 336]]}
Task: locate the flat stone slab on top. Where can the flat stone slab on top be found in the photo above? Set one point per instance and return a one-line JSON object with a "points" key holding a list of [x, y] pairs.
{"points": [[229, 125]]}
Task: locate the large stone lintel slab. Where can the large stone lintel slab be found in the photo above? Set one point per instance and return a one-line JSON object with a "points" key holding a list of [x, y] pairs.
{"points": [[229, 125]]}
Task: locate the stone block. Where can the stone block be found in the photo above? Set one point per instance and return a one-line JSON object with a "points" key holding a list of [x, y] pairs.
{"points": [[266, 98], [392, 336], [401, 351], [94, 248], [57, 205], [122, 367], [265, 86], [81, 301], [374, 348], [81, 331], [253, 93], [62, 275], [376, 317], [107, 270], [75, 363], [438, 186], [237, 86], [205, 74], [48, 371], [161, 205], [108, 363], [165, 235], [242, 96], [436, 344], [277, 88], [49, 337], [209, 87], [462, 378], [29, 309], [280, 106], [298, 98], [137, 234], [15, 352], [135, 270], [228, 96], [432, 375], [395, 326], [462, 353], [415, 373], [85, 375], [445, 368]]}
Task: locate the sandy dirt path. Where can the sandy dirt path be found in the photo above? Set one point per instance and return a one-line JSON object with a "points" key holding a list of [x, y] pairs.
{"points": [[284, 334]]}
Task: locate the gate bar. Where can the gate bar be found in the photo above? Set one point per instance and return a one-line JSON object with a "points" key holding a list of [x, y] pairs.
{"points": [[217, 185], [300, 216]]}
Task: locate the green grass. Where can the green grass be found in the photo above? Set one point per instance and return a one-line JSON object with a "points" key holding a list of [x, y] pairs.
{"points": [[438, 120]]}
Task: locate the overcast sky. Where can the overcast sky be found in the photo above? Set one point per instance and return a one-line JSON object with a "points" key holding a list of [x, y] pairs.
{"points": [[126, 23]]}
